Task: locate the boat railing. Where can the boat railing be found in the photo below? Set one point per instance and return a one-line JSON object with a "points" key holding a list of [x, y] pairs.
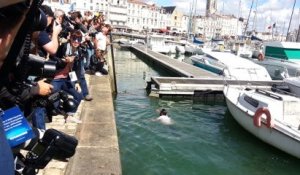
{"points": [[271, 95], [230, 76]]}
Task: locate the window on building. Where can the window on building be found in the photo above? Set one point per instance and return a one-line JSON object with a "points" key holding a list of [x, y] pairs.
{"points": [[91, 1], [84, 5], [91, 7], [175, 17]]}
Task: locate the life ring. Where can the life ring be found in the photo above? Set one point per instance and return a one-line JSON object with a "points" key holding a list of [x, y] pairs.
{"points": [[260, 57], [258, 114]]}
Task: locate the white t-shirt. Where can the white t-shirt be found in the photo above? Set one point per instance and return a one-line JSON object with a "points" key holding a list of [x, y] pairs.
{"points": [[101, 44], [164, 119]]}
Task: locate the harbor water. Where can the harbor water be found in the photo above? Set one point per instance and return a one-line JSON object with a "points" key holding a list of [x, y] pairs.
{"points": [[203, 140]]}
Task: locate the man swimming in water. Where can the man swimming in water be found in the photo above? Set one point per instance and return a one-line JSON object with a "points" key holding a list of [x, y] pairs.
{"points": [[164, 118]]}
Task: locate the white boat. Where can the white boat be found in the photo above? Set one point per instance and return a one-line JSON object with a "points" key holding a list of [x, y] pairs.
{"points": [[231, 66], [241, 48], [274, 118], [281, 59], [293, 84], [191, 48], [180, 49], [157, 44], [279, 69], [282, 50]]}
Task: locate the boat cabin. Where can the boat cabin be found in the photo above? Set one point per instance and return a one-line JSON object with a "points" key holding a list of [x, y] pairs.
{"points": [[282, 50]]}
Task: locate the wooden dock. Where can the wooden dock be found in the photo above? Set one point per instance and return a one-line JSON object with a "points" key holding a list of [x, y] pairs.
{"points": [[179, 68], [187, 87], [191, 81]]}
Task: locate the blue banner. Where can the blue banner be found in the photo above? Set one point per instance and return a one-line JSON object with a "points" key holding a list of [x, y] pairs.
{"points": [[16, 126]]}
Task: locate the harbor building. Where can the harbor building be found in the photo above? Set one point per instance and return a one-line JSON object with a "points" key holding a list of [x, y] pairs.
{"points": [[145, 16], [217, 25], [141, 16], [214, 24]]}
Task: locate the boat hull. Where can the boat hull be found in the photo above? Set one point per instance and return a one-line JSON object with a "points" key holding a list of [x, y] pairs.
{"points": [[271, 136], [207, 67], [293, 84]]}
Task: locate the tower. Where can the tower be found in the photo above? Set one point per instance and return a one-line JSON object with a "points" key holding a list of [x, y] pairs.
{"points": [[211, 7]]}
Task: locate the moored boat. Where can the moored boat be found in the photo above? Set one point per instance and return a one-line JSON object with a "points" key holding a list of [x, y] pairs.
{"points": [[293, 84], [231, 66], [272, 117]]}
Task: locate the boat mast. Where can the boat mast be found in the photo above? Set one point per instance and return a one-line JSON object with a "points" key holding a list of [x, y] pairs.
{"points": [[290, 20], [238, 18], [254, 18], [248, 17]]}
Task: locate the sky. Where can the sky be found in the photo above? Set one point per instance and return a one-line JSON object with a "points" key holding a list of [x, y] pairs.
{"points": [[267, 12]]}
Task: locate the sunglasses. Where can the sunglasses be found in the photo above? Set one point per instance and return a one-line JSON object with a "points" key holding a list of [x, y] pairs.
{"points": [[77, 39]]}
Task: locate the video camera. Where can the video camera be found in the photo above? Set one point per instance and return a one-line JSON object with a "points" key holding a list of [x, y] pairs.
{"points": [[66, 104], [67, 27], [53, 145]]}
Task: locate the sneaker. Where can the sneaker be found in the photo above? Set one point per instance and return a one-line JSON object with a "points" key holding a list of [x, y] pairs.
{"points": [[73, 120], [98, 74], [88, 98]]}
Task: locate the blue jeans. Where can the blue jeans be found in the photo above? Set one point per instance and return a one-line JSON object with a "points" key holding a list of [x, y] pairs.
{"points": [[90, 52], [67, 86], [82, 81], [38, 117]]}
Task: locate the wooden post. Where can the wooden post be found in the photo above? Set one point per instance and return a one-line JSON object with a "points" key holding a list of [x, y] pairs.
{"points": [[113, 72]]}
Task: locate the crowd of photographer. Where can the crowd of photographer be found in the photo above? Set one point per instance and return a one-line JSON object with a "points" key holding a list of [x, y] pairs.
{"points": [[44, 57]]}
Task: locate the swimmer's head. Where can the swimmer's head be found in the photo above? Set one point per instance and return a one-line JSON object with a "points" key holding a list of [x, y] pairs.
{"points": [[163, 112]]}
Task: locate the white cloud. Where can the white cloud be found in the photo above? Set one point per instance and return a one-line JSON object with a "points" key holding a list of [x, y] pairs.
{"points": [[267, 11]]}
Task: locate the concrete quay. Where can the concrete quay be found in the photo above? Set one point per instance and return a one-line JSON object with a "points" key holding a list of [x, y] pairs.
{"points": [[97, 152]]}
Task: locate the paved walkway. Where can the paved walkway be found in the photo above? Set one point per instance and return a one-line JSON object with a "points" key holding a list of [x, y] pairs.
{"points": [[98, 151]]}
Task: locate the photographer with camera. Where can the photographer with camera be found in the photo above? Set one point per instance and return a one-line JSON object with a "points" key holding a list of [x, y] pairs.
{"points": [[20, 18], [45, 44], [101, 41], [12, 15], [66, 79]]}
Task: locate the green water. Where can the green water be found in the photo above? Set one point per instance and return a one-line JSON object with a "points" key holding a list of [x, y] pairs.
{"points": [[204, 140]]}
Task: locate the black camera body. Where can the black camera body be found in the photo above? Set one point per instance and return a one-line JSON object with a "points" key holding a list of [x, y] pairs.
{"points": [[53, 145], [93, 35], [66, 104], [66, 27]]}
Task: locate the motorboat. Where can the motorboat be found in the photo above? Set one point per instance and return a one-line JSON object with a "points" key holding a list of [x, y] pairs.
{"points": [[282, 50], [157, 44], [281, 59], [272, 117], [231, 66], [180, 49], [279, 69], [191, 48], [294, 85]]}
